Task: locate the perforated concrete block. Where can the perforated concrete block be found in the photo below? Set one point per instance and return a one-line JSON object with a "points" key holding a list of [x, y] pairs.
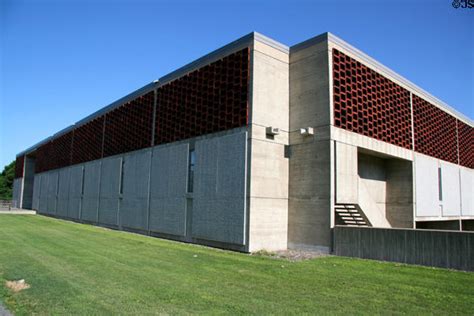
{"points": [[110, 190], [168, 189], [219, 205]]}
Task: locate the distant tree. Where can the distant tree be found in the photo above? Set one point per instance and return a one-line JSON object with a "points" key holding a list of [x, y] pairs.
{"points": [[6, 181]]}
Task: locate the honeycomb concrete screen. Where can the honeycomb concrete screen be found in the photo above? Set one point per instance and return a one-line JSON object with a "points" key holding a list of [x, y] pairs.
{"points": [[258, 145]]}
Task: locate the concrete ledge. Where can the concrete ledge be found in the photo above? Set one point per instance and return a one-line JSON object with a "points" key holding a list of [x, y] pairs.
{"points": [[434, 248], [18, 212]]}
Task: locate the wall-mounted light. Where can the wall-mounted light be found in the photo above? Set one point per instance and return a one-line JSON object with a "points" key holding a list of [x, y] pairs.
{"points": [[307, 131]]}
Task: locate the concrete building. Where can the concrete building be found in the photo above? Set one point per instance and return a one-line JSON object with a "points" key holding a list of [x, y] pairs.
{"points": [[261, 146]]}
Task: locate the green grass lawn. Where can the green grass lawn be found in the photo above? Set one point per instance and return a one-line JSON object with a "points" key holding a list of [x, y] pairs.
{"points": [[81, 269]]}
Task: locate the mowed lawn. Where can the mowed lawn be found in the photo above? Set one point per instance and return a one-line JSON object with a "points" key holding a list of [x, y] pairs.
{"points": [[81, 269]]}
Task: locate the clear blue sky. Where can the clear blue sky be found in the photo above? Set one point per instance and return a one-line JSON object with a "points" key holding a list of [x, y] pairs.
{"points": [[62, 60]]}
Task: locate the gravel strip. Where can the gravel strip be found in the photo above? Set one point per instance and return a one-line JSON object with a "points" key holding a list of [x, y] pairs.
{"points": [[292, 255]]}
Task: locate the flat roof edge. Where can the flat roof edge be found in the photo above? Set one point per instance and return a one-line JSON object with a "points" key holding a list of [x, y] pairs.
{"points": [[240, 43], [129, 97], [309, 42], [217, 54], [271, 42]]}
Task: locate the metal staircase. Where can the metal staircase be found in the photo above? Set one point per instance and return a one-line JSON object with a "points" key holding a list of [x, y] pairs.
{"points": [[350, 215]]}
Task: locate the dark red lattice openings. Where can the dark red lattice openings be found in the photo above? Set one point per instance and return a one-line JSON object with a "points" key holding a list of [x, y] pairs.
{"points": [[60, 151], [19, 163], [435, 131], [210, 99], [87, 142], [130, 126], [367, 103], [43, 158], [466, 144]]}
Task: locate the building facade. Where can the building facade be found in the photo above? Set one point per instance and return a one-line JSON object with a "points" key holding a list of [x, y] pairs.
{"points": [[261, 146]]}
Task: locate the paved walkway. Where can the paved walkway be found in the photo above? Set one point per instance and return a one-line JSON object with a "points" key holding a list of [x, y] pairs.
{"points": [[4, 311]]}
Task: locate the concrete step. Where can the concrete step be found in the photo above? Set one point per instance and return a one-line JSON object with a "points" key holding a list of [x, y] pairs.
{"points": [[352, 218], [344, 210]]}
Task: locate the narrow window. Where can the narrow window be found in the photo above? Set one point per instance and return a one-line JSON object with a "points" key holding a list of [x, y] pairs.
{"points": [[440, 184], [121, 176], [83, 179], [191, 164]]}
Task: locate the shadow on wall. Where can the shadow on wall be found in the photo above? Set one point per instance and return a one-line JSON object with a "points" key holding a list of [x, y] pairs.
{"points": [[390, 183]]}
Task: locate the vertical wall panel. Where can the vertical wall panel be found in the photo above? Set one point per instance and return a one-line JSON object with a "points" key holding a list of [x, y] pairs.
{"points": [[36, 191], [75, 192], [467, 192], [43, 200], [134, 205], [17, 192], [168, 189], [219, 203], [52, 191], [427, 193], [63, 192], [90, 200], [109, 190], [451, 190]]}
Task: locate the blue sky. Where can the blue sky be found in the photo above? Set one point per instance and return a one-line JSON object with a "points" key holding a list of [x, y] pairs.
{"points": [[62, 60]]}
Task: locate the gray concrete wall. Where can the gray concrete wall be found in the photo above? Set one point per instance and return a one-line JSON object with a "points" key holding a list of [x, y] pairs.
{"points": [[169, 171], [309, 221], [453, 250], [43, 195], [399, 200], [219, 198], [75, 192], [310, 190], [110, 182], [17, 188], [36, 192], [152, 196], [373, 176], [347, 179], [90, 200], [136, 180], [268, 166], [53, 182], [63, 192]]}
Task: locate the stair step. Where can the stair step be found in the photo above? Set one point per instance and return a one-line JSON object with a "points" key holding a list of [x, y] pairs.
{"points": [[339, 210], [352, 218], [350, 215], [350, 222]]}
